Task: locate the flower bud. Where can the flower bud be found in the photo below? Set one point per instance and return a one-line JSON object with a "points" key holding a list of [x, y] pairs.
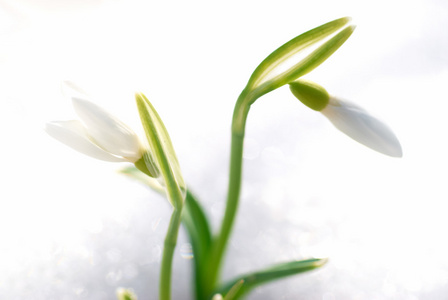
{"points": [[348, 118], [311, 94]]}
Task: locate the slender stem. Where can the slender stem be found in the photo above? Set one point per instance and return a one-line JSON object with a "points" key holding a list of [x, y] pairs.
{"points": [[169, 246], [233, 195], [177, 199], [236, 161], [168, 253]]}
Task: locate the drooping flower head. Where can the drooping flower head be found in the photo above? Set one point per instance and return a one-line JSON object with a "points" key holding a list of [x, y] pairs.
{"points": [[348, 118]]}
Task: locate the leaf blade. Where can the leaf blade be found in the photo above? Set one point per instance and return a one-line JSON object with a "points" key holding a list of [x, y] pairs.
{"points": [[254, 279], [198, 230]]}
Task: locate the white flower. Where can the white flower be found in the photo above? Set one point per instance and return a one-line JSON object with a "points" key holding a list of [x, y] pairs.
{"points": [[348, 118], [362, 127], [97, 134], [126, 294]]}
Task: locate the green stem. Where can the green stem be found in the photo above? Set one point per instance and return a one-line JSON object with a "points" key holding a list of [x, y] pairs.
{"points": [[175, 195], [169, 246], [168, 253], [236, 161]]}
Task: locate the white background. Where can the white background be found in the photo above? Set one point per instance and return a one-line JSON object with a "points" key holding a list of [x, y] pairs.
{"points": [[72, 228]]}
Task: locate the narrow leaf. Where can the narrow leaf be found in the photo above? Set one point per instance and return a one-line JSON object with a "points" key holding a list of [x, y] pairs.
{"points": [[276, 272], [198, 230], [233, 292]]}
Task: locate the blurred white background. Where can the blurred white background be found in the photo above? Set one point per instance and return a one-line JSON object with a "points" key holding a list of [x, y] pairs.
{"points": [[72, 228]]}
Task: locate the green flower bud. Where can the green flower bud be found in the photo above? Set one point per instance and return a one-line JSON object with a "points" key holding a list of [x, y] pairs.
{"points": [[311, 94]]}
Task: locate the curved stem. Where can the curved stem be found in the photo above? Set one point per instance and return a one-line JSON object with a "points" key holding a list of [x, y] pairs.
{"points": [[169, 246], [236, 161], [168, 253]]}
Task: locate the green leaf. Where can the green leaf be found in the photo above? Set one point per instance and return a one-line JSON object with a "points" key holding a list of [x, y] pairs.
{"points": [[276, 272], [297, 44], [233, 292], [198, 230], [162, 150]]}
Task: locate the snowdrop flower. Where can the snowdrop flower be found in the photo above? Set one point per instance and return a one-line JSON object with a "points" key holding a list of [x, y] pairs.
{"points": [[126, 294], [97, 134], [348, 118]]}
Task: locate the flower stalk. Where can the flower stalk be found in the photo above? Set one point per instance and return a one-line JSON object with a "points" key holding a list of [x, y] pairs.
{"points": [[264, 80]]}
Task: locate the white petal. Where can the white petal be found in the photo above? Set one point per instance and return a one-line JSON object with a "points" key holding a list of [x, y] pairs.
{"points": [[107, 131], [362, 127], [74, 135]]}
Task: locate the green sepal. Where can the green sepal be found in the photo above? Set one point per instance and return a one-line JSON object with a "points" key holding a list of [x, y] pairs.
{"points": [[309, 93], [254, 279], [292, 47], [162, 149], [147, 165]]}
